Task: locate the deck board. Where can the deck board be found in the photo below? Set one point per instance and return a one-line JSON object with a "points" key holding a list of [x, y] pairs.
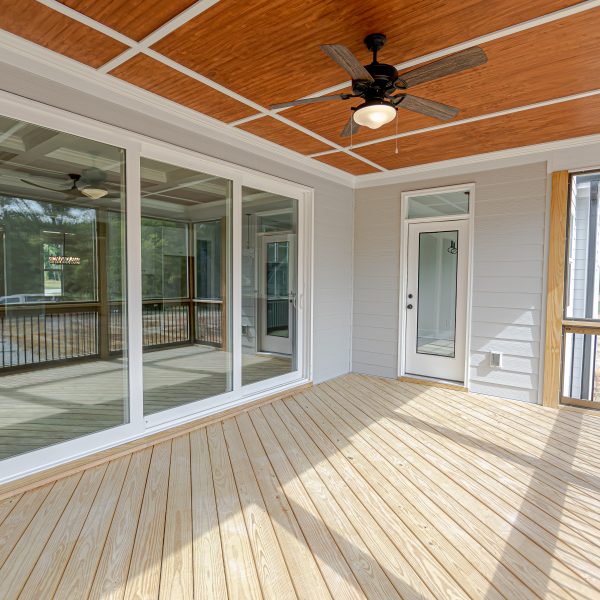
{"points": [[359, 487]]}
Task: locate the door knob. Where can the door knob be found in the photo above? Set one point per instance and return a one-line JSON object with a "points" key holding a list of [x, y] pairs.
{"points": [[409, 306]]}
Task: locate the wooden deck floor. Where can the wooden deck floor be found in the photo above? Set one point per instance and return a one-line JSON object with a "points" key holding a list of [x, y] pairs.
{"points": [[358, 488]]}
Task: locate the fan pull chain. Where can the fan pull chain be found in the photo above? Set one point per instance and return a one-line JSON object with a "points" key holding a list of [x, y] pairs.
{"points": [[351, 130], [396, 131]]}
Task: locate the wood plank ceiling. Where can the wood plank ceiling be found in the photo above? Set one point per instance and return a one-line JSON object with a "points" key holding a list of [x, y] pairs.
{"points": [[231, 60]]}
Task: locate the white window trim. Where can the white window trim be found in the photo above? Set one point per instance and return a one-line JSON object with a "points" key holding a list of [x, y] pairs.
{"points": [[136, 146], [404, 223]]}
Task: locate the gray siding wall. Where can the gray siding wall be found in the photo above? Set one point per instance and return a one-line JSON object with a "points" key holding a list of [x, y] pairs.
{"points": [[508, 270], [333, 211]]}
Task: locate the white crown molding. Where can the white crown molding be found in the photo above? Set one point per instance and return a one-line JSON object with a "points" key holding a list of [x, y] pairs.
{"points": [[32, 58], [478, 162]]}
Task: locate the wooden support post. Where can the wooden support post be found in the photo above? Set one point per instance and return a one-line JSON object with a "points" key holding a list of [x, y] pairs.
{"points": [[556, 287]]}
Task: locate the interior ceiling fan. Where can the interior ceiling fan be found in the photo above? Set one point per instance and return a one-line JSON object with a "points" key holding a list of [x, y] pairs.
{"points": [[91, 183], [384, 89]]}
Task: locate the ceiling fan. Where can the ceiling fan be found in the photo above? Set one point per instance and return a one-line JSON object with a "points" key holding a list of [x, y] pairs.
{"points": [[383, 89], [91, 183]]}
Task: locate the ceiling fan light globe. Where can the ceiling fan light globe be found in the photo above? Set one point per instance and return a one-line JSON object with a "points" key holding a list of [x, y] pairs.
{"points": [[374, 115], [94, 193]]}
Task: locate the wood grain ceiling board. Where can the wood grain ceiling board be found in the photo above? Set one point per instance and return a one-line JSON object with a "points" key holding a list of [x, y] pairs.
{"points": [[347, 163], [133, 18], [154, 76], [275, 131], [46, 27], [546, 124], [268, 50], [553, 60]]}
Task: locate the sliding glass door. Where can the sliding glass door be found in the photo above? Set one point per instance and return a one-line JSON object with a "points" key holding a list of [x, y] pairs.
{"points": [[269, 285], [63, 297], [186, 281], [140, 285]]}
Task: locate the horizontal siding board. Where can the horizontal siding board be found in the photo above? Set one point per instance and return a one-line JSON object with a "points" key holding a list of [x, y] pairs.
{"points": [[503, 268], [504, 391], [487, 249], [375, 295], [509, 316], [503, 377], [367, 282], [389, 348], [368, 369], [376, 308], [517, 364], [502, 331], [528, 285], [520, 206], [504, 189], [516, 348], [507, 300], [375, 358], [382, 334], [376, 321]]}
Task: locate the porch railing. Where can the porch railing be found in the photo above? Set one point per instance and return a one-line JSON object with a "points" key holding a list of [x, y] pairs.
{"points": [[30, 336], [38, 334]]}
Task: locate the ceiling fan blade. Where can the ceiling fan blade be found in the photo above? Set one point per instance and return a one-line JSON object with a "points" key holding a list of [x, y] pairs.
{"points": [[351, 127], [467, 59], [347, 61], [311, 100], [45, 187], [430, 108]]}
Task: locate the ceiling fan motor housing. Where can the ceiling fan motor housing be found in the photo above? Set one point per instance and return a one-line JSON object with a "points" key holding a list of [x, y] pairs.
{"points": [[385, 75]]}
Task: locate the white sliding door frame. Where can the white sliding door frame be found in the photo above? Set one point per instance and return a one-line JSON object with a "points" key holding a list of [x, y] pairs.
{"points": [[404, 223], [303, 281], [135, 147]]}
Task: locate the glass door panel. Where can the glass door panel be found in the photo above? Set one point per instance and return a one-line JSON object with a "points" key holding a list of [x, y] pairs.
{"points": [[436, 320], [63, 331], [186, 282], [269, 275], [436, 299]]}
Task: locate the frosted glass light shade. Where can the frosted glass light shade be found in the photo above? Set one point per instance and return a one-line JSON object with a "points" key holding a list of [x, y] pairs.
{"points": [[94, 193], [374, 116]]}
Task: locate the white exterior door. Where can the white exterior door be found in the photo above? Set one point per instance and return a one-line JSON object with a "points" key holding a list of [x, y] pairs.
{"points": [[436, 299], [278, 293]]}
